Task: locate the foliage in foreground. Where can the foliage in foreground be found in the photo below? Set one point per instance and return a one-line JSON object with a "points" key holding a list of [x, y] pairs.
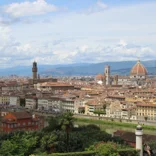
{"points": [[59, 137]]}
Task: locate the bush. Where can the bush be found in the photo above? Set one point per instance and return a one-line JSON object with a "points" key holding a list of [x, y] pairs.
{"points": [[106, 149]]}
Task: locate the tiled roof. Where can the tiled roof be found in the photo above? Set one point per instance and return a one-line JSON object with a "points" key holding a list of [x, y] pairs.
{"points": [[130, 136], [22, 115]]}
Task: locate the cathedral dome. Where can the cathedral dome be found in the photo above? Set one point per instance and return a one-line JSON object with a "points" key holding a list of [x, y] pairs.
{"points": [[99, 77], [138, 70]]}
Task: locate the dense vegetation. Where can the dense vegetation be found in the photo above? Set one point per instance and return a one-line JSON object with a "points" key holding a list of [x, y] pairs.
{"points": [[61, 137]]}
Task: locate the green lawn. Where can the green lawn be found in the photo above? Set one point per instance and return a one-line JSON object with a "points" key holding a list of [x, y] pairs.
{"points": [[114, 123]]}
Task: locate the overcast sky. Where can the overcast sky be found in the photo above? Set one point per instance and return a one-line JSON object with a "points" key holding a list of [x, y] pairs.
{"points": [[76, 31]]}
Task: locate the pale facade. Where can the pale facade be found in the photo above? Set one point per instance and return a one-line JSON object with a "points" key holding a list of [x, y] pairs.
{"points": [[4, 100], [91, 108], [146, 111], [68, 105], [14, 100], [30, 103], [48, 104]]}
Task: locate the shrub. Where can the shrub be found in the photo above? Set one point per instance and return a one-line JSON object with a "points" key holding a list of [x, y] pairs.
{"points": [[128, 152]]}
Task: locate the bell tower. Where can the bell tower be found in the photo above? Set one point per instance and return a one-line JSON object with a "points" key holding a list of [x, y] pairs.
{"points": [[107, 74], [34, 70]]}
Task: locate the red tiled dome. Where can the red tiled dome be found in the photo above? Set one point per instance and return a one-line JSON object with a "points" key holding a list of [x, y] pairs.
{"points": [[99, 77], [138, 69]]}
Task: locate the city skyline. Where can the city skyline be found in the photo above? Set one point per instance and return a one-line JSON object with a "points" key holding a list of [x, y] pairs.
{"points": [[74, 31]]}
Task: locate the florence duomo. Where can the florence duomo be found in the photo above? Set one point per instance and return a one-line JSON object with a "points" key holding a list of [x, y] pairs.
{"points": [[137, 76]]}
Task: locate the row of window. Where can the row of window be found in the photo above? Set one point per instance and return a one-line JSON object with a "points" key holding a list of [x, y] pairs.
{"points": [[14, 125], [144, 114]]}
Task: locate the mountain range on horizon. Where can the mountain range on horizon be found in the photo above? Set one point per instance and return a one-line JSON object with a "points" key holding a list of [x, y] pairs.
{"points": [[81, 69]]}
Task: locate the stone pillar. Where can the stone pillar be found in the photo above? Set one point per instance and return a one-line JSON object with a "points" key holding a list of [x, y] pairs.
{"points": [[139, 134]]}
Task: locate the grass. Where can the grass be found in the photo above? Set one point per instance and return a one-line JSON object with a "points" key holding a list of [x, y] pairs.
{"points": [[120, 124]]}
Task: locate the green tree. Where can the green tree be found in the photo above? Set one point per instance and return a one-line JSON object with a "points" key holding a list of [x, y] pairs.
{"points": [[7, 148], [66, 124], [145, 117], [48, 142], [53, 124]]}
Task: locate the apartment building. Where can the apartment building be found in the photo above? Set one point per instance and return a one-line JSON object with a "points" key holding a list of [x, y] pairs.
{"points": [[146, 111], [30, 102]]}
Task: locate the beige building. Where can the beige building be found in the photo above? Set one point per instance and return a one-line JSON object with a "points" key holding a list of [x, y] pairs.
{"points": [[4, 99], [92, 106], [146, 111]]}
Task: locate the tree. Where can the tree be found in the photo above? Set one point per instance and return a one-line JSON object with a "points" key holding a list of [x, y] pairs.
{"points": [[66, 124], [53, 124], [22, 102], [48, 142], [145, 117], [106, 149], [7, 148]]}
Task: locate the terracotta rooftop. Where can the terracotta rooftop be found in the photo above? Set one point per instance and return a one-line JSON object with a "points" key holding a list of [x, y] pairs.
{"points": [[146, 105], [22, 115], [54, 84]]}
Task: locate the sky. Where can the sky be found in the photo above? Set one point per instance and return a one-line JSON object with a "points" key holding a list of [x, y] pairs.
{"points": [[76, 31]]}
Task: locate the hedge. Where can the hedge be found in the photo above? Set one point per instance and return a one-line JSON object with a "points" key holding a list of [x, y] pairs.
{"points": [[128, 152], [84, 153], [122, 152]]}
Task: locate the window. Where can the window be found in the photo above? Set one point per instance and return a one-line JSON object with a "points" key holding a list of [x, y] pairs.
{"points": [[23, 123], [19, 124], [29, 123]]}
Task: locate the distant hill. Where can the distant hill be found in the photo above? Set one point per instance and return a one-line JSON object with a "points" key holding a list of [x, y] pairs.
{"points": [[121, 68]]}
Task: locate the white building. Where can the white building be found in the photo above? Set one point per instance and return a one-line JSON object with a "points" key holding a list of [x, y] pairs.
{"points": [[14, 100], [30, 103]]}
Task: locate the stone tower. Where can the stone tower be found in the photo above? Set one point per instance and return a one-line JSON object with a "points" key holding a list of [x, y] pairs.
{"points": [[107, 74], [116, 80], [34, 71]]}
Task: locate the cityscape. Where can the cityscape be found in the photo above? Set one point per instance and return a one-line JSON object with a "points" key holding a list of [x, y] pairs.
{"points": [[77, 78]]}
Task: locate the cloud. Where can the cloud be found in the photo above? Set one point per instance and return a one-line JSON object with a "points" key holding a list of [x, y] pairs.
{"points": [[122, 43], [27, 8], [14, 53], [97, 7], [115, 34], [118, 52], [102, 5]]}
